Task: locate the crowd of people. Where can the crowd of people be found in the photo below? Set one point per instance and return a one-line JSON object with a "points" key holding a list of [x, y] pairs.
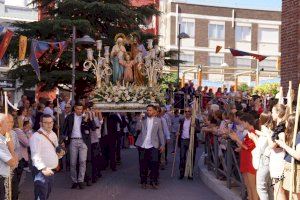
{"points": [[45, 138]]}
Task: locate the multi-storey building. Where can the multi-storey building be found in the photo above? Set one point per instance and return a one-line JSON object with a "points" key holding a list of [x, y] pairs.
{"points": [[13, 11], [255, 31]]}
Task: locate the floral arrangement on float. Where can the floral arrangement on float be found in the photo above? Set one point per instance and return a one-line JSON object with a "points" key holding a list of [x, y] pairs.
{"points": [[128, 93]]}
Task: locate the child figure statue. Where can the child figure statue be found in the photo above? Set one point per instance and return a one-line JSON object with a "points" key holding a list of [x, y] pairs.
{"points": [[128, 66]]}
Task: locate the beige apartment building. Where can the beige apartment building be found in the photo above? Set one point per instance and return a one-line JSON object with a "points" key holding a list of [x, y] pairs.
{"points": [[255, 31]]}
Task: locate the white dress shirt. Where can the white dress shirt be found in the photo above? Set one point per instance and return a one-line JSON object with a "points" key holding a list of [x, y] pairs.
{"points": [[186, 129], [76, 132], [43, 154], [147, 142]]}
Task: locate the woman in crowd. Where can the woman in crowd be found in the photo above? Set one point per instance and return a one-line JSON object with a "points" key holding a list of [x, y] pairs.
{"points": [[247, 145], [277, 153], [261, 156], [22, 116], [286, 144]]}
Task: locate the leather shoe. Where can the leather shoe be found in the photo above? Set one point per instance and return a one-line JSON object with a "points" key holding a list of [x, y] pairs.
{"points": [[88, 183], [154, 186], [144, 186], [81, 185], [74, 185], [190, 178], [181, 177]]}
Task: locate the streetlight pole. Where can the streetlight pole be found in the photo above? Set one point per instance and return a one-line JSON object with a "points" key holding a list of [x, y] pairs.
{"points": [[178, 54], [73, 65]]}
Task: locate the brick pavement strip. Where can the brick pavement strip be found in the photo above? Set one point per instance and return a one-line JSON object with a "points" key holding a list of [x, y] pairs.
{"points": [[124, 184]]}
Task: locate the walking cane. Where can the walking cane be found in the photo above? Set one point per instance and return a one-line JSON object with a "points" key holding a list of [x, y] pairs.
{"points": [[9, 176], [293, 145], [175, 153]]}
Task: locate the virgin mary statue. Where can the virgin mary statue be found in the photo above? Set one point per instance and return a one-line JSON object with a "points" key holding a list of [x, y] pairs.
{"points": [[117, 54]]}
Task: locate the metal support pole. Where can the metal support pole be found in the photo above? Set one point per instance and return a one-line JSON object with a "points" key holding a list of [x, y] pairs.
{"points": [[73, 65], [257, 73], [178, 54]]}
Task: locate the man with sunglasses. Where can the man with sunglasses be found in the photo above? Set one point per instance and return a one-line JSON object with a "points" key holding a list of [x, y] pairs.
{"points": [[184, 138]]}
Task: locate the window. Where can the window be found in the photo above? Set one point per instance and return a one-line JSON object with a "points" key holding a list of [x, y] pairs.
{"points": [[268, 35], [243, 33], [216, 31], [188, 27], [19, 3], [242, 62], [187, 58], [268, 64], [215, 60]]}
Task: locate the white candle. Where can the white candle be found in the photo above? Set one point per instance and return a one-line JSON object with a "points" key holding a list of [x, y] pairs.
{"points": [[99, 45], [150, 45], [90, 55]]}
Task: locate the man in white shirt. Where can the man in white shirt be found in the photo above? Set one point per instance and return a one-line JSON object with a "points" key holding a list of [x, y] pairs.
{"points": [[150, 142], [77, 132], [7, 159], [43, 145], [184, 138]]}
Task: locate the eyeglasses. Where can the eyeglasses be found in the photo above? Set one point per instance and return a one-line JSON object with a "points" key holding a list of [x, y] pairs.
{"points": [[187, 111], [68, 107]]}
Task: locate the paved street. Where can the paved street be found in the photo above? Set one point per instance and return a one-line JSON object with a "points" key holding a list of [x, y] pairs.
{"points": [[123, 184]]}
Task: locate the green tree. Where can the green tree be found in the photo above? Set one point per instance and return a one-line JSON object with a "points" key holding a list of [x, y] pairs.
{"points": [[101, 19]]}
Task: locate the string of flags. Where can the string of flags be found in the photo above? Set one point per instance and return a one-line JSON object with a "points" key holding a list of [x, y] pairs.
{"points": [[37, 50], [235, 52]]}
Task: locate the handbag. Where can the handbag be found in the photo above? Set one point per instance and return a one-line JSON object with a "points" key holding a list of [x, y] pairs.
{"points": [[60, 151]]}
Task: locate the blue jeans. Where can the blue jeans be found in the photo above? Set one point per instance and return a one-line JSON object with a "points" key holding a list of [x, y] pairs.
{"points": [[42, 185], [263, 179]]}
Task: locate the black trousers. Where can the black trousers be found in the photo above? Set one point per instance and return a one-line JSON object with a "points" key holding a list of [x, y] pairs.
{"points": [[2, 188], [96, 154], [149, 161], [109, 150], [118, 146], [184, 147], [16, 179]]}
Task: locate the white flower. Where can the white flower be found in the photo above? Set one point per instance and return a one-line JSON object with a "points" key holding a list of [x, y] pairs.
{"points": [[134, 99], [106, 97], [141, 101], [128, 97], [109, 100], [116, 99], [122, 88]]}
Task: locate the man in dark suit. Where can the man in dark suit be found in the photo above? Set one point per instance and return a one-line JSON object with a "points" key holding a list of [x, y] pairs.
{"points": [[109, 138], [76, 132], [120, 135], [184, 138], [150, 142]]}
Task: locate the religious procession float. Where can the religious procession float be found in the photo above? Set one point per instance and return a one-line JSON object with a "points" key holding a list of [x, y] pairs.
{"points": [[126, 80]]}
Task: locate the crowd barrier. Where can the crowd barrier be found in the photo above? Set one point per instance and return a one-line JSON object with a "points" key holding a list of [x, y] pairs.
{"points": [[224, 162]]}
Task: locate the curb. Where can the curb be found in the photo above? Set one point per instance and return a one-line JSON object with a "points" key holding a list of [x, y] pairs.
{"points": [[214, 184]]}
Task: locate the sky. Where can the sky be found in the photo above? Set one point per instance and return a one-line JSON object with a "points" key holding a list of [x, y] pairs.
{"points": [[252, 4]]}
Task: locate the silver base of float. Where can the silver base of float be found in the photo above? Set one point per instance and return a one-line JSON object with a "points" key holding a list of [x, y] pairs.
{"points": [[122, 107]]}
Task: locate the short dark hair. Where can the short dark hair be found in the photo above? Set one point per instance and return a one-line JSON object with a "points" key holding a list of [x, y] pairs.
{"points": [[48, 103], [78, 104], [151, 106], [40, 105], [45, 116]]}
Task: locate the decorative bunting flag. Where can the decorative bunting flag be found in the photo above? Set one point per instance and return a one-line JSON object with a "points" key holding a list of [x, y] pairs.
{"points": [[33, 58], [39, 48], [5, 42], [258, 57], [1, 28], [218, 48], [22, 47]]}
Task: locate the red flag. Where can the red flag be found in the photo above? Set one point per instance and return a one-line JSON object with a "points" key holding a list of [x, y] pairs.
{"points": [[218, 48], [5, 42]]}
